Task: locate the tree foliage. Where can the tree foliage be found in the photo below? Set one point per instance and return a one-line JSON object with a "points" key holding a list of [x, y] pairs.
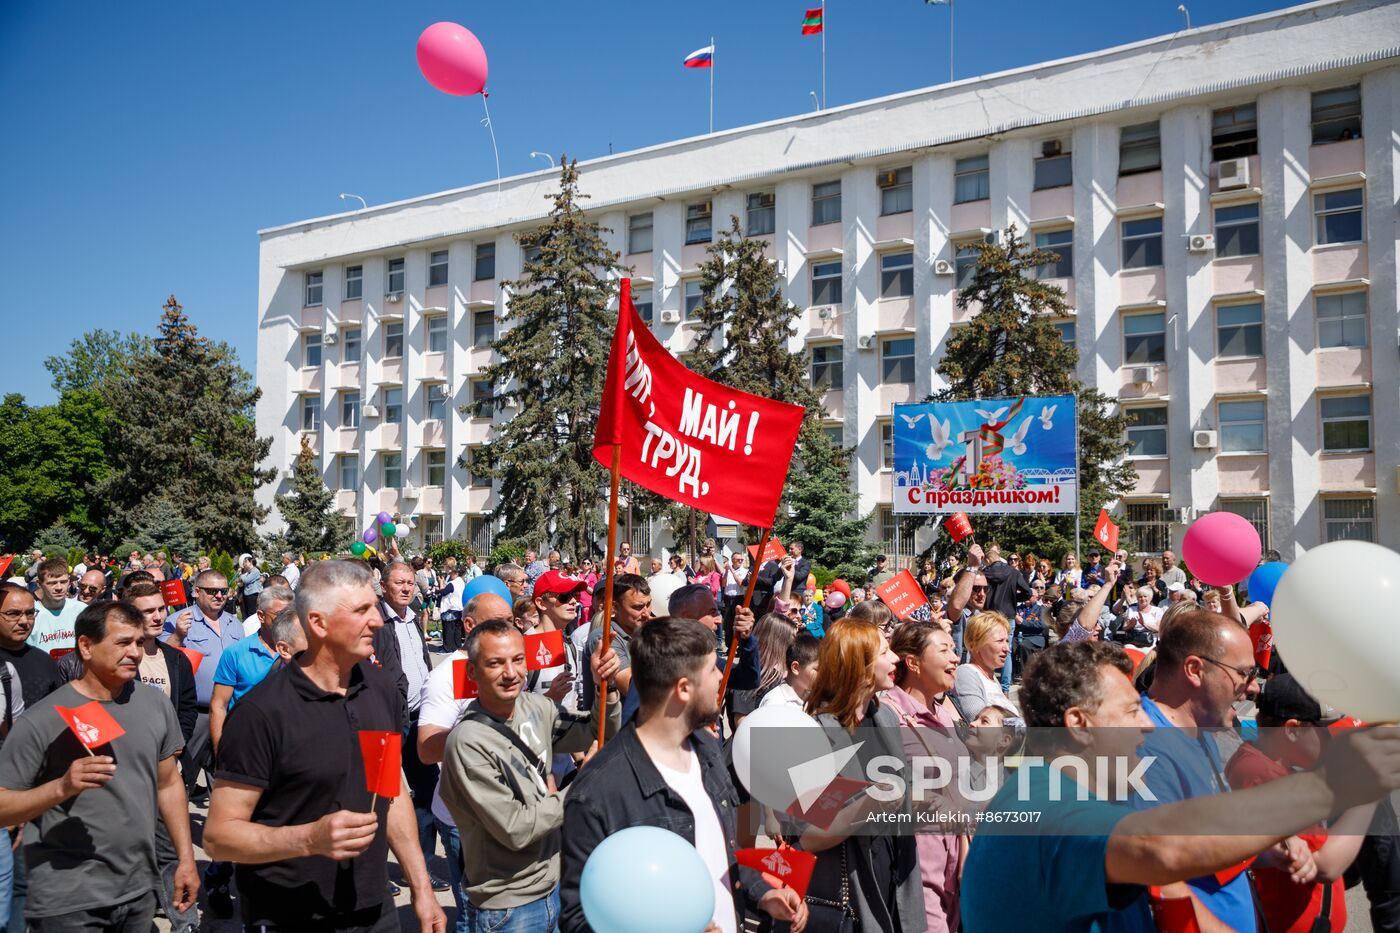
{"points": [[57, 539], [49, 458], [99, 360], [822, 510], [313, 521], [161, 526]]}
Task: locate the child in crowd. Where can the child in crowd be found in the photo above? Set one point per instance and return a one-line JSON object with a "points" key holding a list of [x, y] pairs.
{"points": [[801, 673], [993, 736]]}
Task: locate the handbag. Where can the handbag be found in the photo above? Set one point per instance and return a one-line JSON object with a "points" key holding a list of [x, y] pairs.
{"points": [[827, 916]]}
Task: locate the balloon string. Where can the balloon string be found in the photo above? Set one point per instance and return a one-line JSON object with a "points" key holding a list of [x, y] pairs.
{"points": [[492, 130]]}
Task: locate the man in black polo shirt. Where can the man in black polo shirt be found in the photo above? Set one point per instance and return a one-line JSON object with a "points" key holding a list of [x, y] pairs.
{"points": [[291, 806]]}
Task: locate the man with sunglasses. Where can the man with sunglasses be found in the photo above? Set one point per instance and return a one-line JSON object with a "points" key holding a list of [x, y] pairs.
{"points": [[92, 586], [969, 594]]}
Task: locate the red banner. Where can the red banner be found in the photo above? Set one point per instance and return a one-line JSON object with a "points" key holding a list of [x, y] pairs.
{"points": [[57, 653], [92, 724], [688, 438], [1262, 635], [774, 551], [785, 867], [5, 563], [902, 594], [1105, 532], [463, 687], [544, 649], [383, 754], [196, 657], [173, 592]]}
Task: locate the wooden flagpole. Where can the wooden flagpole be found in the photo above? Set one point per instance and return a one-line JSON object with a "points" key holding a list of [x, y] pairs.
{"points": [[748, 598], [606, 644]]}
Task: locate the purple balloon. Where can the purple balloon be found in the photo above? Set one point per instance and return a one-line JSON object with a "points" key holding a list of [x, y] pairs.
{"points": [[369, 535], [383, 518]]}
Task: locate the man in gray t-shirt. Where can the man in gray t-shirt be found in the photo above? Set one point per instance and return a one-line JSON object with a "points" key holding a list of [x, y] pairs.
{"points": [[89, 838]]}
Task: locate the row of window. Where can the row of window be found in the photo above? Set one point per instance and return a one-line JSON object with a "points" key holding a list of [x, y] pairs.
{"points": [[483, 330], [1345, 419], [391, 406], [391, 471], [1344, 518]]}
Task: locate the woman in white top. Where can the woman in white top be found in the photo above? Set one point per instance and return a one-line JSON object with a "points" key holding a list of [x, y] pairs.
{"points": [[987, 638], [1069, 574]]}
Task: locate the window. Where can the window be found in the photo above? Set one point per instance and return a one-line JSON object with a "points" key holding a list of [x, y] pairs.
{"points": [[826, 283], [1142, 243], [393, 339], [639, 233], [481, 398], [1242, 426], [761, 208], [311, 350], [836, 434], [434, 467], [1147, 431], [699, 223], [435, 401], [1338, 216], [483, 327], [1255, 511], [886, 445], [828, 367], [1061, 243], [1346, 423], [437, 268], [1239, 330], [965, 262], [971, 180], [1237, 230], [897, 360], [532, 253], [432, 530], [311, 412], [1140, 148], [826, 203], [896, 191], [437, 333], [1144, 339], [897, 275], [1234, 133], [694, 298], [643, 301], [393, 470], [485, 265], [1349, 519], [1150, 526], [350, 346], [1066, 329], [1341, 320], [393, 405], [354, 282], [479, 533], [349, 409], [476, 474], [313, 288], [395, 277], [349, 470], [1336, 115], [1054, 171]]}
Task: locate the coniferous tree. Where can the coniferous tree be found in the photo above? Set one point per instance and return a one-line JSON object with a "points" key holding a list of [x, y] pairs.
{"points": [[58, 538], [552, 361], [313, 522], [160, 526], [1012, 347]]}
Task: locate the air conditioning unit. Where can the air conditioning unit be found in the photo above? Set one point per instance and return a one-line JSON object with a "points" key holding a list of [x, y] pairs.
{"points": [[943, 267], [767, 200], [1051, 147], [704, 207], [865, 342], [329, 339], [369, 410], [887, 179], [394, 298], [1142, 376], [1178, 516], [1233, 173], [1203, 440], [289, 474], [670, 317], [410, 491], [1200, 243], [780, 268]]}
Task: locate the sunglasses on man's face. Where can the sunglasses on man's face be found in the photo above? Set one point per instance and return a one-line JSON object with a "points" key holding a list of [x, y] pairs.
{"points": [[213, 590]]}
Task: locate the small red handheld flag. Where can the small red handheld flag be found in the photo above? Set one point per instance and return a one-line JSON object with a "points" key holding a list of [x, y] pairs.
{"points": [[773, 551], [902, 594], [463, 687], [958, 526], [383, 754], [173, 592], [1105, 532], [5, 563], [92, 724], [1262, 634], [544, 649], [195, 658], [785, 867], [1172, 914], [824, 810]]}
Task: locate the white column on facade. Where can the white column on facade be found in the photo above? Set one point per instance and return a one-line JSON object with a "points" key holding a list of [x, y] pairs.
{"points": [[415, 344], [279, 292], [933, 294], [791, 211], [1096, 255], [461, 256], [860, 207], [376, 272], [667, 241], [1289, 330], [1380, 116], [1009, 184], [726, 205], [613, 230]]}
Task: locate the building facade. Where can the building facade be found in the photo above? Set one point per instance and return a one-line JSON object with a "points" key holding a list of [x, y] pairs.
{"points": [[1224, 202]]}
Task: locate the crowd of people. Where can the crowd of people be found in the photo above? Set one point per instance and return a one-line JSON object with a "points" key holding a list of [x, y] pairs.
{"points": [[270, 681]]}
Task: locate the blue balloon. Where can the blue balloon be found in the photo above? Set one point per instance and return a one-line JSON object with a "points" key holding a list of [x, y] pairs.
{"points": [[487, 583], [645, 879], [1263, 581]]}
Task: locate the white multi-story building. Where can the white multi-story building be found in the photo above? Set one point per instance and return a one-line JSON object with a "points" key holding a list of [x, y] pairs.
{"points": [[1224, 202]]}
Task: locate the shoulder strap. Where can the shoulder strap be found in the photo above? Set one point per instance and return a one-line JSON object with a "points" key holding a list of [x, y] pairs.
{"points": [[9, 695], [476, 715]]}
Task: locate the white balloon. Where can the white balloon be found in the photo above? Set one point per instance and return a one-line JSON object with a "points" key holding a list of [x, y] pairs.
{"points": [[401, 530], [789, 738], [1334, 618]]}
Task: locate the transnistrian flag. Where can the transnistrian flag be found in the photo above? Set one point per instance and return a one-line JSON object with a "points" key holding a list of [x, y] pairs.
{"points": [[812, 22], [700, 58]]}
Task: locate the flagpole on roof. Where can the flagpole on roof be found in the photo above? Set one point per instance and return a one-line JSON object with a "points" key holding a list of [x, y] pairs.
{"points": [[823, 54], [950, 41], [712, 84]]}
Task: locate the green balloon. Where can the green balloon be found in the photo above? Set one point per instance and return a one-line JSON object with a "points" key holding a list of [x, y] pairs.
{"points": [[387, 530], [358, 548]]}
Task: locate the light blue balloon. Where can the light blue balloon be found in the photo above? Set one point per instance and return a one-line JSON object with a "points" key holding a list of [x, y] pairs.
{"points": [[1263, 581], [487, 583], [645, 879]]}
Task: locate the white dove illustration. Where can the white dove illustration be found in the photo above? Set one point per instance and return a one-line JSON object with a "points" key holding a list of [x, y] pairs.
{"points": [[1018, 440], [941, 438], [1045, 415], [911, 421], [991, 415]]}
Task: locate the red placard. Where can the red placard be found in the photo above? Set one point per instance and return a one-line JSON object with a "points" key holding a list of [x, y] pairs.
{"points": [[196, 658], [544, 649], [824, 810], [383, 754], [785, 867], [92, 724], [57, 653], [1105, 532], [774, 551], [902, 594], [5, 563], [958, 526], [173, 592], [463, 687], [1172, 914], [1262, 635]]}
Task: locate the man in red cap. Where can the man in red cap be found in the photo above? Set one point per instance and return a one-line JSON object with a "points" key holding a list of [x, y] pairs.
{"points": [[556, 601]]}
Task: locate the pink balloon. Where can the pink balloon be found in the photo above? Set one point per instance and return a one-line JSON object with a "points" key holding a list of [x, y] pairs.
{"points": [[452, 59], [1221, 548]]}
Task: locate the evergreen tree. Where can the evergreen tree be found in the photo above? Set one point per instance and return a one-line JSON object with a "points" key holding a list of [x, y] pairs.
{"points": [[56, 539], [313, 522], [161, 526], [552, 362], [186, 428], [1011, 347], [821, 509]]}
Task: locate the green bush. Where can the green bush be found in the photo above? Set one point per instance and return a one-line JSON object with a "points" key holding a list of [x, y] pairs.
{"points": [[507, 552], [824, 576], [452, 547]]}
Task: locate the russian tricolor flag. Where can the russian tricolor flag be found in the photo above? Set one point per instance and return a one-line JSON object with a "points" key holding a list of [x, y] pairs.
{"points": [[701, 58]]}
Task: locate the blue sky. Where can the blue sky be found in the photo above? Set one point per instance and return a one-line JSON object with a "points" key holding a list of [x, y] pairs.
{"points": [[148, 141]]}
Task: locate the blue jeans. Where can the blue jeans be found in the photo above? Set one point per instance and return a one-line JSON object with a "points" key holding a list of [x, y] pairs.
{"points": [[541, 916], [7, 877], [452, 848], [20, 892]]}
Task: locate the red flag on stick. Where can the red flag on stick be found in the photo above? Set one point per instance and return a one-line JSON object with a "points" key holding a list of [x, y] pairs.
{"points": [[383, 754], [195, 658], [785, 867], [173, 592], [463, 687], [958, 526], [902, 594], [92, 724], [5, 563], [544, 649], [773, 551], [1105, 532], [1173, 914], [688, 438]]}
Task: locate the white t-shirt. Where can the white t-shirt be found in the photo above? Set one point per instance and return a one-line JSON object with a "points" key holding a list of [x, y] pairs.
{"points": [[451, 600], [709, 836], [293, 574], [17, 695], [779, 695], [440, 708], [55, 629]]}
